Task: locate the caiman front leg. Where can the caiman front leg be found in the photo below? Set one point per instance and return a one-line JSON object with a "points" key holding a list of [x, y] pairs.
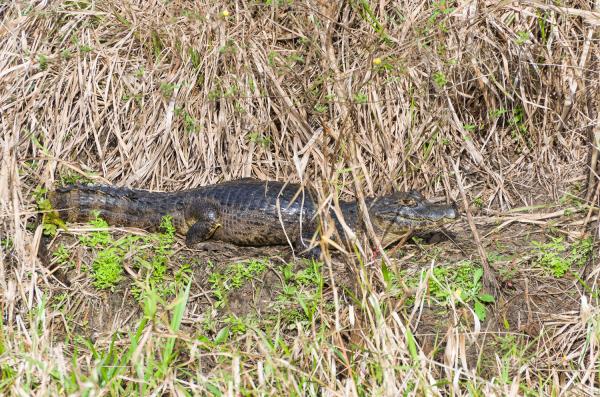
{"points": [[207, 223]]}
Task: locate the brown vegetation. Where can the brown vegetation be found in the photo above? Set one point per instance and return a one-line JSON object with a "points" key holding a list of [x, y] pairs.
{"points": [[354, 98]]}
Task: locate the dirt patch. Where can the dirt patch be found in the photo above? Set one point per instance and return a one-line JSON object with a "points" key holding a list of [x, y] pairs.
{"points": [[219, 287], [532, 304], [240, 286]]}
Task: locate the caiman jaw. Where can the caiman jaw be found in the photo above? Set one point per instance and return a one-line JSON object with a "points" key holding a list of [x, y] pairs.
{"points": [[394, 223]]}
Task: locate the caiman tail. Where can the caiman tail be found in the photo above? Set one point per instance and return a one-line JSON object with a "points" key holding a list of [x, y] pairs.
{"points": [[118, 206]]}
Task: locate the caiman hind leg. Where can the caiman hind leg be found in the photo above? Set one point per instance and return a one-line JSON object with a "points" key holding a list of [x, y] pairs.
{"points": [[206, 225]]}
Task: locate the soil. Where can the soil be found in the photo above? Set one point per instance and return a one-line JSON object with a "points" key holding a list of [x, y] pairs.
{"points": [[528, 301]]}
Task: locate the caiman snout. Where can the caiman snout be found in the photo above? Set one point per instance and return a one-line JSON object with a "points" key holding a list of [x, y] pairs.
{"points": [[418, 214], [425, 212], [435, 212]]}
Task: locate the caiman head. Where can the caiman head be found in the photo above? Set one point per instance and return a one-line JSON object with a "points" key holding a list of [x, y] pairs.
{"points": [[395, 215]]}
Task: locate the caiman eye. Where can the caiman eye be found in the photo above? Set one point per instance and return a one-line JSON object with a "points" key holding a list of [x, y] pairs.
{"points": [[402, 199], [407, 202]]}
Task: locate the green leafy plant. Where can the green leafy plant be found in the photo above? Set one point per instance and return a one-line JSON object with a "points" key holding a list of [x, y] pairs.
{"points": [[85, 48], [556, 258], [154, 264], [234, 277], [43, 62], [66, 54], [439, 78], [522, 37], [259, 139], [97, 238], [7, 243], [321, 108], [139, 73], [62, 255], [156, 44], [167, 89], [361, 98], [71, 178], [50, 219], [464, 279], [497, 113], [469, 127], [136, 97], [302, 288], [107, 268], [517, 122], [478, 202]]}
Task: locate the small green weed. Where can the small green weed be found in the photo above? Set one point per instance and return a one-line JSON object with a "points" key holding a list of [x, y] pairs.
{"points": [[439, 78], [155, 264], [62, 255], [167, 89], [519, 126], [195, 58], [465, 279], [303, 288], [392, 280], [136, 97], [293, 59], [497, 113], [272, 58], [50, 220], [107, 269], [556, 259], [71, 178], [7, 243], [321, 108], [84, 48], [238, 325], [190, 124], [522, 37], [139, 73], [478, 202], [122, 19], [43, 62], [469, 127], [234, 277], [98, 238], [156, 44], [311, 276], [361, 98], [259, 139], [572, 197], [440, 11]]}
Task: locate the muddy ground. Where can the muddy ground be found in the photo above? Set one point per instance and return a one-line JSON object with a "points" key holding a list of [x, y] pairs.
{"points": [[529, 304]]}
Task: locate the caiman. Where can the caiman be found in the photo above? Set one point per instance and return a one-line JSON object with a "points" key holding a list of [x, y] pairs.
{"points": [[246, 212]]}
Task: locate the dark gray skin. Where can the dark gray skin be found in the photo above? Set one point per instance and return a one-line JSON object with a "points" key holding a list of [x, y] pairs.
{"points": [[246, 212]]}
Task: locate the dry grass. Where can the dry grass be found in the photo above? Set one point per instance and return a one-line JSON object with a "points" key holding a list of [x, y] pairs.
{"points": [[357, 97]]}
